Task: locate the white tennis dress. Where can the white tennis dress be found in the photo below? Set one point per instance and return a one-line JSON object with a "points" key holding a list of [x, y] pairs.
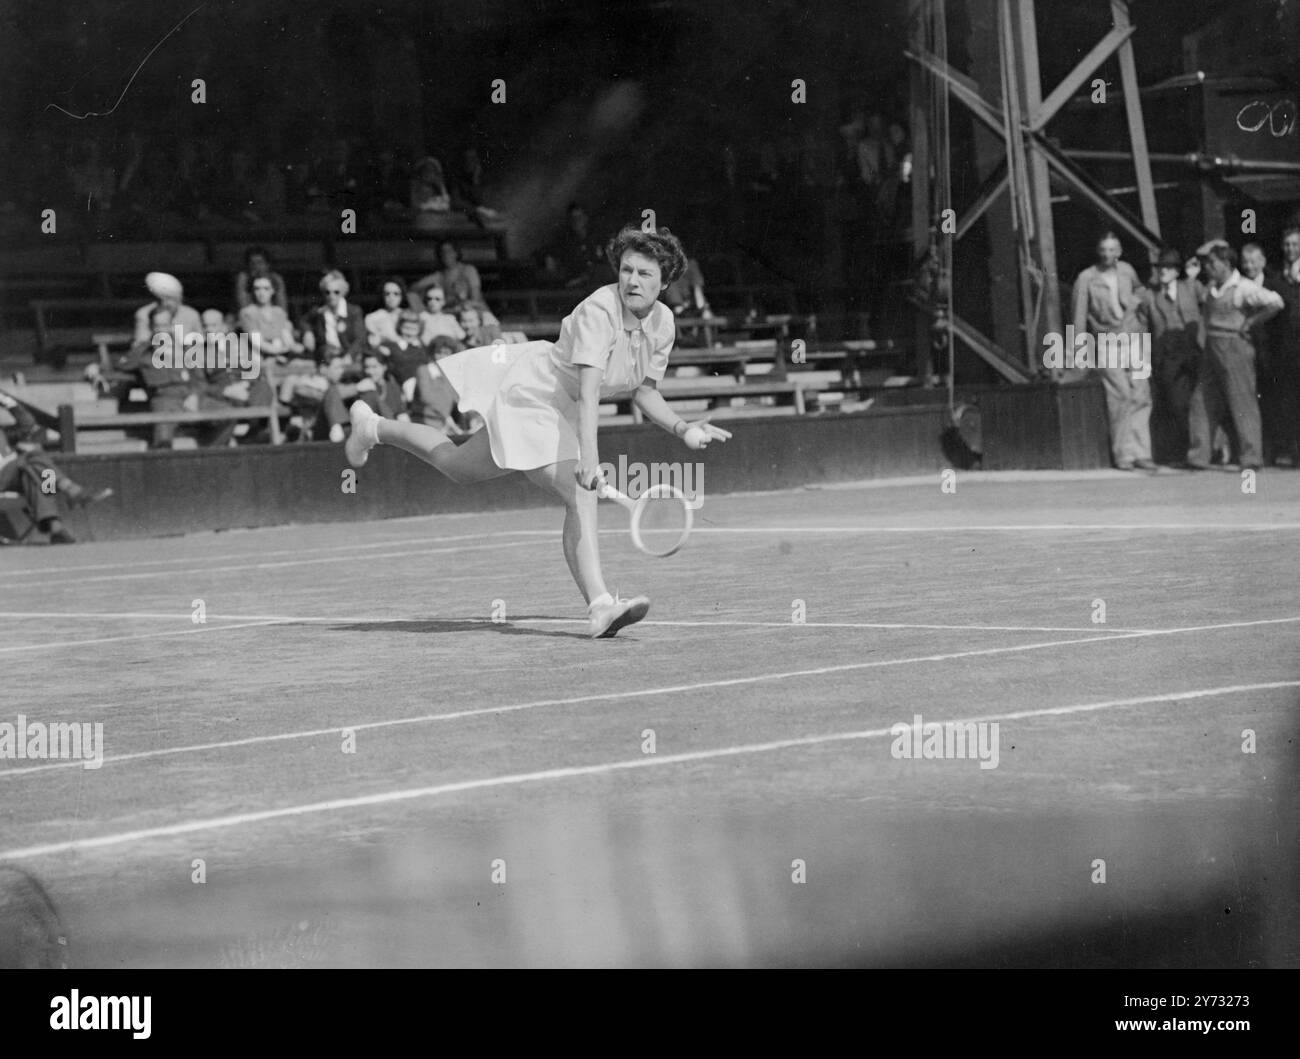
{"points": [[527, 394]]}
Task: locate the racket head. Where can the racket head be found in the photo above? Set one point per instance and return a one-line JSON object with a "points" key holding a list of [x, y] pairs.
{"points": [[661, 520]]}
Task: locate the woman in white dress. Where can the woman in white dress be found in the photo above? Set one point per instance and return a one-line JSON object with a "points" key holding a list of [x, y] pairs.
{"points": [[540, 400]]}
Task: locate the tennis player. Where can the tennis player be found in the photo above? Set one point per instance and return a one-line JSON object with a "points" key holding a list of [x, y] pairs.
{"points": [[539, 401]]}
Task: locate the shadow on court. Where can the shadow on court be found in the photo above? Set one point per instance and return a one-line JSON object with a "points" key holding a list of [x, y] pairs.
{"points": [[434, 625]]}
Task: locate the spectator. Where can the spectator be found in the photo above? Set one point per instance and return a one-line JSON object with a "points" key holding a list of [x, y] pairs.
{"points": [[335, 328], [435, 321], [379, 389], [388, 186], [257, 262], [405, 353], [27, 470], [459, 281], [172, 388], [381, 325], [1286, 364], [477, 331], [168, 294], [686, 293], [337, 178], [268, 321], [429, 194], [1171, 312], [467, 190], [228, 384], [1232, 307], [1254, 266], [434, 400], [580, 255], [335, 394], [1106, 297]]}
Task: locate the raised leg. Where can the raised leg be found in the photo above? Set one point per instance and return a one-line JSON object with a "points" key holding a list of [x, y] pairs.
{"points": [[470, 462]]}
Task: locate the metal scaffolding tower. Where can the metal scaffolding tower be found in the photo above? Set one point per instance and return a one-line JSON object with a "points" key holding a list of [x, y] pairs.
{"points": [[1005, 97]]}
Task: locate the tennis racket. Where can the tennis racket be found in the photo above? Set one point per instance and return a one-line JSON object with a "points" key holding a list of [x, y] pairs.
{"points": [[661, 517]]}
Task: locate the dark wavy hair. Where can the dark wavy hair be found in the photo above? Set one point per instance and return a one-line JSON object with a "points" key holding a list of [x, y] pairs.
{"points": [[661, 244]]}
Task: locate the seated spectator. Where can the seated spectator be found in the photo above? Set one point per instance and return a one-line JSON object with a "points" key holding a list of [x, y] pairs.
{"points": [[434, 401], [269, 322], [460, 282], [380, 390], [477, 332], [228, 384], [685, 295], [429, 194], [168, 294], [257, 263], [335, 328], [172, 388], [381, 325], [435, 321], [581, 257], [388, 186], [405, 353], [25, 469], [467, 189]]}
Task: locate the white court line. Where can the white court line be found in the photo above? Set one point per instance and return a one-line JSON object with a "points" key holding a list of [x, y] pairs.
{"points": [[660, 761], [184, 615], [705, 530], [201, 570], [428, 538], [431, 718], [138, 636]]}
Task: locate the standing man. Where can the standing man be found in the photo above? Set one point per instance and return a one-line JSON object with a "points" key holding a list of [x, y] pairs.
{"points": [[1233, 305], [1172, 314], [1106, 298], [1286, 344]]}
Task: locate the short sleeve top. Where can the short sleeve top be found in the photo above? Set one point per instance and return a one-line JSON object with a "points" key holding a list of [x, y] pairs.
{"points": [[602, 333]]}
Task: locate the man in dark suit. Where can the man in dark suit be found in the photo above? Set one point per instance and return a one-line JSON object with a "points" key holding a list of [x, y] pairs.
{"points": [[1171, 312]]}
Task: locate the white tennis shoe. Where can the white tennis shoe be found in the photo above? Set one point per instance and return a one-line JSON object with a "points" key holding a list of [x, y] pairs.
{"points": [[364, 434], [608, 618]]}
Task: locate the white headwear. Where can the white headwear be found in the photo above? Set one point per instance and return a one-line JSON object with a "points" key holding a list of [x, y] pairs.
{"points": [[163, 285]]}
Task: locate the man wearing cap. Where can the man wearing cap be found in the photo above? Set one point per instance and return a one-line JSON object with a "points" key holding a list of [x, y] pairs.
{"points": [[168, 293], [1231, 307], [1171, 312]]}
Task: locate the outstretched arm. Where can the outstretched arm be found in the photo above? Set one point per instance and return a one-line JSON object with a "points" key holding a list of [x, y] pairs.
{"points": [[655, 408]]}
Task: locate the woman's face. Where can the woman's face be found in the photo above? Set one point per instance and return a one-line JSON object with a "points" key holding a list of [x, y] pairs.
{"points": [[392, 296], [639, 282], [434, 300], [262, 291]]}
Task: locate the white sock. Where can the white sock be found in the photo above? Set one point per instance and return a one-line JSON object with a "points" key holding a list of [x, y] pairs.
{"points": [[600, 601]]}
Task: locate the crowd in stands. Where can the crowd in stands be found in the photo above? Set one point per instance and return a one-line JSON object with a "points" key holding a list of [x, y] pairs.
{"points": [[316, 366], [207, 180], [1224, 382]]}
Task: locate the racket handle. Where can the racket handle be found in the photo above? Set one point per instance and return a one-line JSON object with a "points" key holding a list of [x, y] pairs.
{"points": [[605, 491]]}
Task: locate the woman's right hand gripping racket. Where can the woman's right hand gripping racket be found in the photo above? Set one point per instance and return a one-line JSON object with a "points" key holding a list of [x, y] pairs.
{"points": [[661, 517]]}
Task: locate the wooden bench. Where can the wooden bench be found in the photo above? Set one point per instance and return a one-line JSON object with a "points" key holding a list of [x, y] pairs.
{"points": [[70, 423]]}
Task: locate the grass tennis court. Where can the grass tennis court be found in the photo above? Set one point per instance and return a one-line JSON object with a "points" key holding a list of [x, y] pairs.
{"points": [[515, 749]]}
